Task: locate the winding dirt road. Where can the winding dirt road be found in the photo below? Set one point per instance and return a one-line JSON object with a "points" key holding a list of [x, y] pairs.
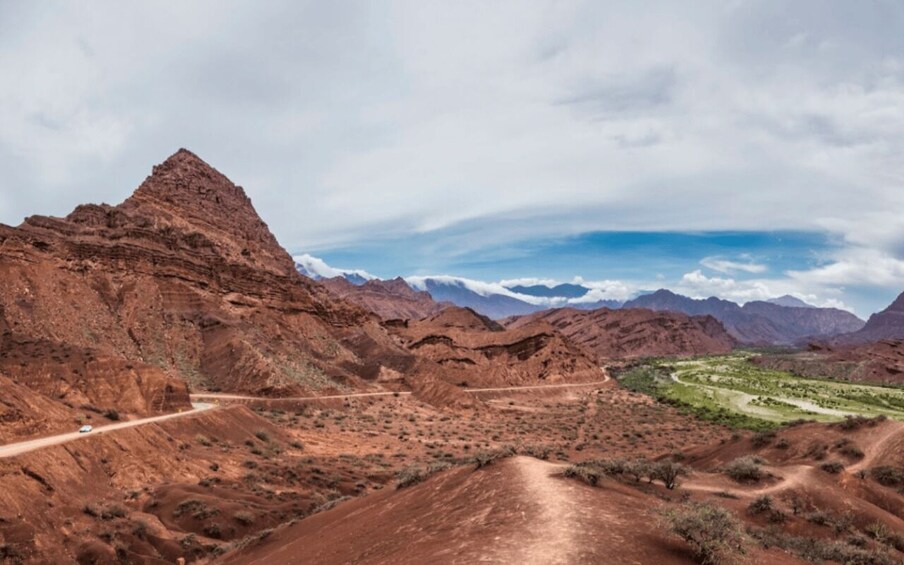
{"points": [[14, 449], [227, 396]]}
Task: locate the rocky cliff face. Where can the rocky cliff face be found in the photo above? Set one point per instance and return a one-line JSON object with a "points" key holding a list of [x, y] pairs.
{"points": [[184, 283], [472, 349], [390, 300], [631, 333]]}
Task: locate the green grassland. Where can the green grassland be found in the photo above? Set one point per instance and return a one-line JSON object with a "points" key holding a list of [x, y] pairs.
{"points": [[733, 391]]}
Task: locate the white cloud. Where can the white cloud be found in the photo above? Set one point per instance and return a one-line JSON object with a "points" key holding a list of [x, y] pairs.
{"points": [[480, 287], [697, 285], [727, 266], [529, 281], [856, 266], [317, 266], [516, 121]]}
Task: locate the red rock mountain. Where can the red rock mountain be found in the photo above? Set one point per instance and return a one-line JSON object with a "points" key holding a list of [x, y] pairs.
{"points": [[478, 352], [630, 333], [182, 282], [390, 300], [183, 286]]}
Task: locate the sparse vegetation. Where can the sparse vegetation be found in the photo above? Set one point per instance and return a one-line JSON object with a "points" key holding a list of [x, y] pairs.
{"points": [[714, 534], [732, 391], [668, 472], [888, 476], [745, 469]]}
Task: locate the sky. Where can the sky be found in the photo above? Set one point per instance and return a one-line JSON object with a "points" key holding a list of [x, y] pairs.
{"points": [[733, 148]]}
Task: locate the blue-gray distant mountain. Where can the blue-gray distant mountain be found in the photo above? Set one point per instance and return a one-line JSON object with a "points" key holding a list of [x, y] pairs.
{"points": [[757, 322], [457, 291], [790, 301]]}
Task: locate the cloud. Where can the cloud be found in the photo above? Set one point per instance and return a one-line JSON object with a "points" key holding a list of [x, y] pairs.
{"points": [[858, 266], [529, 281], [606, 290], [727, 266], [697, 285], [535, 120], [318, 267]]}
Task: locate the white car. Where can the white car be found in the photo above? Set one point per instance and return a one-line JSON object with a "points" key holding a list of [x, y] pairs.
{"points": [[85, 429]]}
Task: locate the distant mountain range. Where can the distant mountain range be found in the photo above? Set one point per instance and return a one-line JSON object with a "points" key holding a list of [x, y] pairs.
{"points": [[784, 320], [758, 322]]}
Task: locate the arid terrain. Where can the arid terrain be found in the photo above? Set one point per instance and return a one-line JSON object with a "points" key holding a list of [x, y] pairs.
{"points": [[239, 412]]}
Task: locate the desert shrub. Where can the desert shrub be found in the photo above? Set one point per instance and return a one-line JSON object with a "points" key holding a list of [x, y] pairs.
{"points": [[10, 554], [887, 475], [764, 505], [761, 504], [819, 518], [413, 475], [539, 451], [668, 472], [111, 414], [484, 458], [817, 550], [713, 532], [637, 468], [833, 467], [244, 517], [213, 531], [262, 435], [762, 439], [851, 451], [203, 440], [817, 451], [744, 470], [782, 443], [590, 474], [330, 504]]}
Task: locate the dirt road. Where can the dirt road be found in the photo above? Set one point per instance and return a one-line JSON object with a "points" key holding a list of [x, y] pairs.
{"points": [[14, 449], [227, 396]]}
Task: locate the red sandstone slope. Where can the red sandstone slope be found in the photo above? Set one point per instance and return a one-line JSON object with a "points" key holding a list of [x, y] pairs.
{"points": [[390, 300], [635, 332], [183, 276], [518, 510], [475, 350]]}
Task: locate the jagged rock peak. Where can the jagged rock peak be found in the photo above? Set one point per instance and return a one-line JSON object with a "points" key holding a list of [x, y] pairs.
{"points": [[186, 192], [186, 179]]}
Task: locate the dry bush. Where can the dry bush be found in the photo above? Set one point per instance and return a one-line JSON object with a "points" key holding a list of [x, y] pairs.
{"points": [[744, 470], [713, 532]]}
